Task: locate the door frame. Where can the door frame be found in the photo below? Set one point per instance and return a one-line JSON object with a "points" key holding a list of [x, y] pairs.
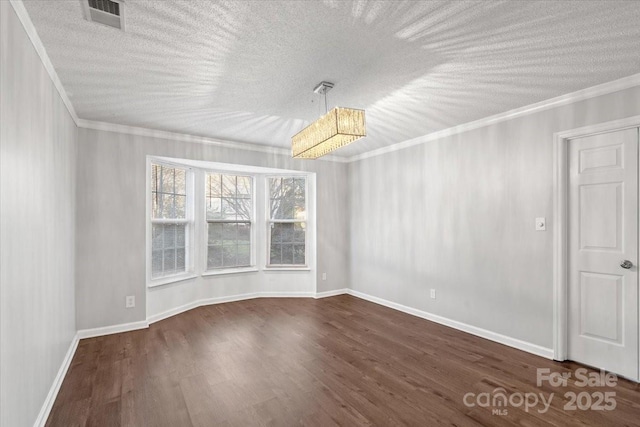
{"points": [[561, 223]]}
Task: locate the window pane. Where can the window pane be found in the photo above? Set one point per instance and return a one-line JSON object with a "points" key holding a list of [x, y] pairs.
{"points": [[287, 244], [214, 208], [167, 179], [244, 255], [229, 234], [228, 209], [298, 254], [229, 256], [214, 257], [299, 232], [180, 259], [244, 234], [282, 209], [168, 192], [181, 206], [155, 176], [167, 207], [276, 233], [287, 198], [243, 209], [287, 254], [276, 254], [169, 260], [157, 231], [244, 186], [155, 205], [299, 188], [213, 185], [180, 235], [229, 245], [299, 209], [180, 181], [228, 186], [156, 263], [215, 234], [287, 233], [168, 244], [169, 236]]}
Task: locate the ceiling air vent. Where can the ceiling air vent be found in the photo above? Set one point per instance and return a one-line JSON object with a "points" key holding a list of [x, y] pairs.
{"points": [[106, 12]]}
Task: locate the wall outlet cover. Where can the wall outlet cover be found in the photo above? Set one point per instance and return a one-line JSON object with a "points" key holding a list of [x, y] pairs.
{"points": [[130, 301]]}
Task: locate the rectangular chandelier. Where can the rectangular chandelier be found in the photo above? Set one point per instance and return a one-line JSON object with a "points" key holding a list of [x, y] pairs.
{"points": [[337, 128]]}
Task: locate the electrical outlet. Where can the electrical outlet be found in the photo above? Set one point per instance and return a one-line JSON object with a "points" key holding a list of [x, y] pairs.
{"points": [[130, 301], [433, 294], [324, 276]]}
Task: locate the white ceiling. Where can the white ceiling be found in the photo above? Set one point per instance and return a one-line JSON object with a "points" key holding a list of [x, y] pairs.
{"points": [[245, 70]]}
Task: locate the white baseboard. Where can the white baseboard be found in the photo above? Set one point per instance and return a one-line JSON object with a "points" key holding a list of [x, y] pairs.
{"points": [[286, 294], [220, 300], [114, 329], [57, 383], [474, 330], [547, 353], [332, 293], [198, 303]]}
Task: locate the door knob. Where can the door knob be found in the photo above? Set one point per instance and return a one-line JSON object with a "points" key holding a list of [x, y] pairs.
{"points": [[626, 264]]}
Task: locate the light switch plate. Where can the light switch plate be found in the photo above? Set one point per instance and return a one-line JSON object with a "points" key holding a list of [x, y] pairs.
{"points": [[541, 224]]}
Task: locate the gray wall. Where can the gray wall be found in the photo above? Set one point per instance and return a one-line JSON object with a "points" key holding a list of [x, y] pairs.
{"points": [[37, 189], [457, 215], [110, 233]]}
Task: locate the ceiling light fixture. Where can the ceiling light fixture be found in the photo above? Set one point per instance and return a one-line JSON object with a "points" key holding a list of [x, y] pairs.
{"points": [[337, 128]]}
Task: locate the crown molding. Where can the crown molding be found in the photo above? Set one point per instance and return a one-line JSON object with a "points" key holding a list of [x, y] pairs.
{"points": [[580, 95], [30, 29], [183, 137]]}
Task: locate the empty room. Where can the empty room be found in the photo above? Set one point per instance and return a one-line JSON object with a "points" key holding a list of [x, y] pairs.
{"points": [[319, 213]]}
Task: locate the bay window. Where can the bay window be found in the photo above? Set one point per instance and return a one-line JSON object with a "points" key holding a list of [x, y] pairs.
{"points": [[207, 219]]}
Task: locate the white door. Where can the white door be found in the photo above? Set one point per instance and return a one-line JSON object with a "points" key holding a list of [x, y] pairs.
{"points": [[603, 234]]}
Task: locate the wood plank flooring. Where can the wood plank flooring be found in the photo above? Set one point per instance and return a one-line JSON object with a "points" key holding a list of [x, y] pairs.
{"points": [[334, 361]]}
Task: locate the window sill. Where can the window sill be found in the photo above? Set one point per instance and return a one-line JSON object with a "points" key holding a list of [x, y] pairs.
{"points": [[276, 269], [230, 271], [170, 279]]}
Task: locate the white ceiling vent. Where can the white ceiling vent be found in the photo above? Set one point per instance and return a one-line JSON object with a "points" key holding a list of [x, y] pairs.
{"points": [[106, 12]]}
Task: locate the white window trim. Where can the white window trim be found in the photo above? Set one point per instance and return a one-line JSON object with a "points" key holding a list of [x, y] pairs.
{"points": [[188, 220], [165, 280], [236, 270], [269, 222]]}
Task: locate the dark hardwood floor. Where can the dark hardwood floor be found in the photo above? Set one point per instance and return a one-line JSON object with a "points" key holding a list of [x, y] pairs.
{"points": [[334, 361]]}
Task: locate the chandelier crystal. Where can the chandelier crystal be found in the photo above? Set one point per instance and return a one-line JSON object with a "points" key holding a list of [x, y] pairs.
{"points": [[337, 128]]}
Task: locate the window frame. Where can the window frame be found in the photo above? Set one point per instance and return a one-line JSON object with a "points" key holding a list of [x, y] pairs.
{"points": [[252, 223], [196, 237], [188, 221], [269, 222]]}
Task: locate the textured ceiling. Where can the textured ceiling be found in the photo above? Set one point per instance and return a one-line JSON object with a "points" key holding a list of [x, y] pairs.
{"points": [[244, 71]]}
